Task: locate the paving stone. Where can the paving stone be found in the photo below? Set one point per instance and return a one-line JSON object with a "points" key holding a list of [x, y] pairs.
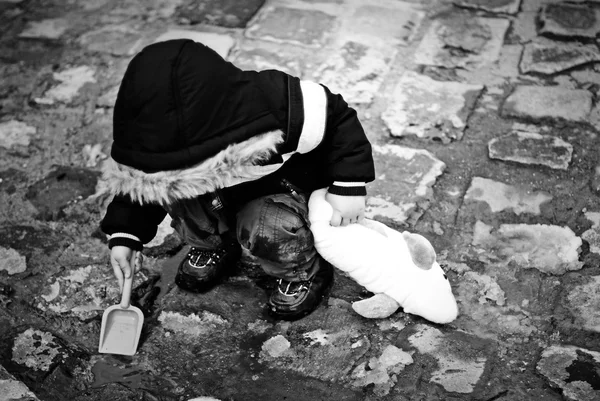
{"points": [[462, 41], [483, 306], [150, 10], [118, 40], [12, 261], [569, 20], [427, 108], [496, 75], [539, 102], [460, 365], [382, 24], [193, 325], [524, 26], [261, 55], [592, 236], [276, 346], [46, 29], [549, 249], [531, 148], [71, 81], [13, 389], [494, 6], [228, 13], [500, 196], [573, 370], [292, 25], [356, 70], [380, 372], [550, 57], [404, 184], [220, 43], [15, 133], [583, 301]]}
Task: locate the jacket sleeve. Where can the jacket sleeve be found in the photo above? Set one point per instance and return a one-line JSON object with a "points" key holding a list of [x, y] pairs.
{"points": [[131, 224], [349, 153]]}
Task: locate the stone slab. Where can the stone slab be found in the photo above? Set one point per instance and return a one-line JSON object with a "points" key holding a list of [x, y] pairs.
{"points": [[261, 55], [52, 28], [569, 20], [550, 57], [499, 196], [118, 40], [382, 24], [298, 26], [13, 389], [405, 179], [151, 10], [225, 13], [12, 261], [462, 41], [459, 367], [571, 369], [531, 148], [427, 108], [380, 371], [220, 43], [15, 133], [71, 81], [493, 6], [356, 70], [537, 102], [583, 301], [550, 249], [592, 235]]}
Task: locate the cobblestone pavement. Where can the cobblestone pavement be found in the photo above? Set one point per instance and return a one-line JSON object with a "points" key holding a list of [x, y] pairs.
{"points": [[484, 119]]}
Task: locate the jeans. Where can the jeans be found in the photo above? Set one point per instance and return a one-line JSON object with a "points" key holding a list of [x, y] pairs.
{"points": [[272, 230]]}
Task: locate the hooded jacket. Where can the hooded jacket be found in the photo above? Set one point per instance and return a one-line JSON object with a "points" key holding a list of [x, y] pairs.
{"points": [[186, 123]]}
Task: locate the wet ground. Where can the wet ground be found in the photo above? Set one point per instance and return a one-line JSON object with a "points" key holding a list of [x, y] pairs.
{"points": [[484, 118]]}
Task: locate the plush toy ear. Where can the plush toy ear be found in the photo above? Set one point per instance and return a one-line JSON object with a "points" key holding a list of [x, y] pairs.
{"points": [[421, 250]]}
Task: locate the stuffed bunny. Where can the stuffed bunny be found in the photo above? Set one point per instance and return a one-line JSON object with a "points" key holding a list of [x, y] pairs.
{"points": [[400, 268]]}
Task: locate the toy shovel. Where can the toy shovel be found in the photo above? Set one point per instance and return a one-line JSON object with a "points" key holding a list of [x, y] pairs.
{"points": [[122, 324]]}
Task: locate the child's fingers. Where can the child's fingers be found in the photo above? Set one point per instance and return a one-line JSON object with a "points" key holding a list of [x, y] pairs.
{"points": [[117, 272], [336, 219]]}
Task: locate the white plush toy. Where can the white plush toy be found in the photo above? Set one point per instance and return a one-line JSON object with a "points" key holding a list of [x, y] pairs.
{"points": [[400, 268]]}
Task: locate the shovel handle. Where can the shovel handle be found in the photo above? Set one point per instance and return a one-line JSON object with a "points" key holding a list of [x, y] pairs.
{"points": [[128, 283]]}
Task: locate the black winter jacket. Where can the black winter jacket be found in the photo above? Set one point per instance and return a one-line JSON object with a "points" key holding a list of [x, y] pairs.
{"points": [[186, 122]]}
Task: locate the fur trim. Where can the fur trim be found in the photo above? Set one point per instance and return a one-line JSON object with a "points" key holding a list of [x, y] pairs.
{"points": [[231, 166]]}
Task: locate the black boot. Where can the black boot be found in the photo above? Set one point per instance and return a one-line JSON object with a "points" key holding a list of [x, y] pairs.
{"points": [[202, 269], [293, 300]]}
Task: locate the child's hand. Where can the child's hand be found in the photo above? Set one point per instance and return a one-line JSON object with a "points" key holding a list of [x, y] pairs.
{"points": [[120, 257], [346, 209]]}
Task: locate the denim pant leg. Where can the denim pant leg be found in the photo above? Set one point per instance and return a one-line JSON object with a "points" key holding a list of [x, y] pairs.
{"points": [[273, 231], [200, 221]]}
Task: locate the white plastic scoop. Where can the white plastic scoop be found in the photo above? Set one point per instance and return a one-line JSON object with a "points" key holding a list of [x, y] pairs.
{"points": [[122, 324]]}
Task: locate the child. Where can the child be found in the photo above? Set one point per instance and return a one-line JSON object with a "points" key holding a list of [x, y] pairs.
{"points": [[232, 156]]}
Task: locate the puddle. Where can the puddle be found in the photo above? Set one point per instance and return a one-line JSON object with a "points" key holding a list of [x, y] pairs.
{"points": [[105, 373], [168, 272]]}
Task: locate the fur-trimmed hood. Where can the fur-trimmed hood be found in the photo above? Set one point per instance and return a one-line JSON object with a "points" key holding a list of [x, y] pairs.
{"points": [[234, 165]]}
